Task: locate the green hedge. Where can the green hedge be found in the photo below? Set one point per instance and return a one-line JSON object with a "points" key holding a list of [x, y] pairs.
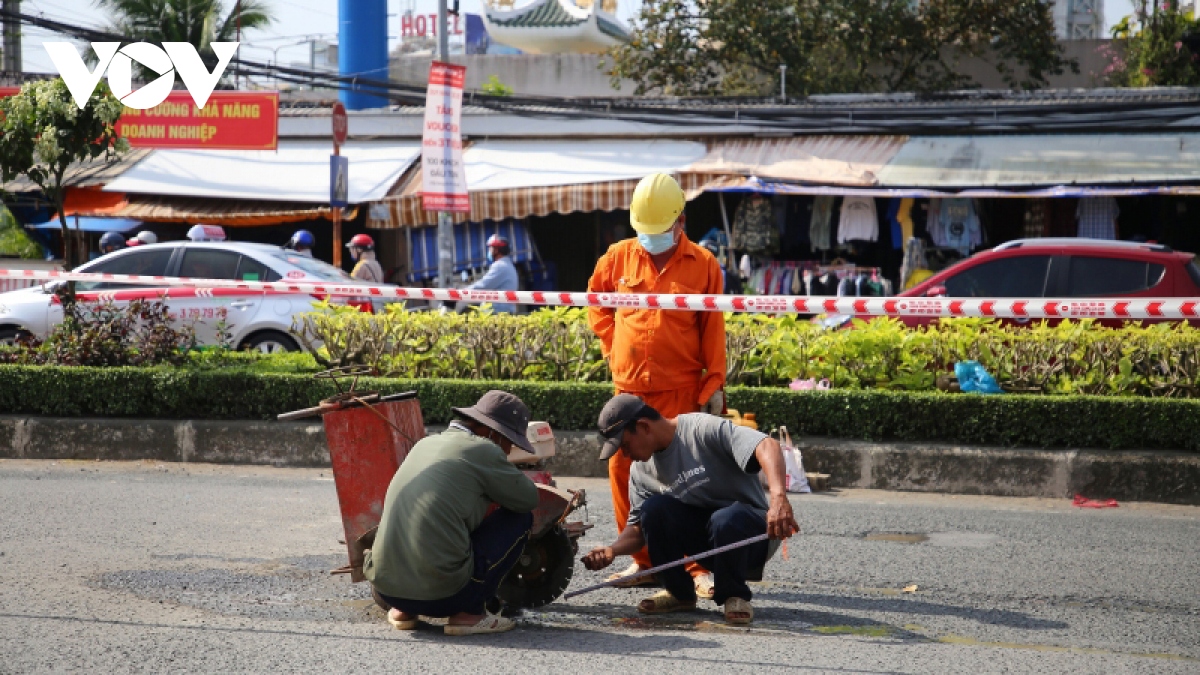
{"points": [[1025, 421]]}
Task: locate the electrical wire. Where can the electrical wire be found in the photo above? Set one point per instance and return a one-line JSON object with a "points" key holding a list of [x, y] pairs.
{"points": [[900, 114]]}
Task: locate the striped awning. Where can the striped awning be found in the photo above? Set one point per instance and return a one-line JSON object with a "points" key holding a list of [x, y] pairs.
{"points": [[824, 160], [224, 212], [405, 209], [608, 171]]}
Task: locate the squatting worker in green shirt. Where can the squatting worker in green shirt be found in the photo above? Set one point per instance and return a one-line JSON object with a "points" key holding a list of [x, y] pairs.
{"points": [[436, 554]]}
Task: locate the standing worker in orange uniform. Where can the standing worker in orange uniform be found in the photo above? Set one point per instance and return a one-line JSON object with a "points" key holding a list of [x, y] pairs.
{"points": [[673, 360]]}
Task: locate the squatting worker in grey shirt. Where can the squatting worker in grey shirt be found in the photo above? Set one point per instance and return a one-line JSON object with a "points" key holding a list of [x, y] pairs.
{"points": [[694, 486]]}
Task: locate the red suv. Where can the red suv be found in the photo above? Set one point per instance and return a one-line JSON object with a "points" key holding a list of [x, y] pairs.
{"points": [[1066, 268]]}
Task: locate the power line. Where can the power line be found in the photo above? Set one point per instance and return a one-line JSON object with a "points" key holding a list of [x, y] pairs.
{"points": [[948, 113]]}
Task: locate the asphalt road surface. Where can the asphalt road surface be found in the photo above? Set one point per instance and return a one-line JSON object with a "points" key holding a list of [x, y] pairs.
{"points": [[118, 567]]}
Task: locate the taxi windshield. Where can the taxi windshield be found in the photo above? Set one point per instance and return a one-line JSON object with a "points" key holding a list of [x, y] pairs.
{"points": [[317, 268]]}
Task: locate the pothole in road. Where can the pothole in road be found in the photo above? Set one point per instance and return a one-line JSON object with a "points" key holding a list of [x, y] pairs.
{"points": [[897, 537], [948, 539]]}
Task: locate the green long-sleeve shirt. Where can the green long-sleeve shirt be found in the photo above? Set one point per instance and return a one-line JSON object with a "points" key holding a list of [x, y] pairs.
{"points": [[438, 497]]}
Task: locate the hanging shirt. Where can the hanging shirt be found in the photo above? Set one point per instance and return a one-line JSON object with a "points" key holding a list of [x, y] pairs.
{"points": [[858, 221], [819, 232], [894, 221], [1097, 217], [960, 225], [1036, 212], [933, 223], [904, 216]]}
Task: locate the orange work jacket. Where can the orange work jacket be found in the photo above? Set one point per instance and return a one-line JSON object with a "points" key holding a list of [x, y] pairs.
{"points": [[660, 350]]}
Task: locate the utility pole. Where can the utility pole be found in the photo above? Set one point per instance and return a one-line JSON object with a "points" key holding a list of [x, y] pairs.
{"points": [[12, 38], [445, 226]]}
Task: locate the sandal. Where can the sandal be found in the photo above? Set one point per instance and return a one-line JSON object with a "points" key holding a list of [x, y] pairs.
{"points": [[490, 623], [401, 624], [704, 585], [738, 606], [628, 572], [663, 602]]}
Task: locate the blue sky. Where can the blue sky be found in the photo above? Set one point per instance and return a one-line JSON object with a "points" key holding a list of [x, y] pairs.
{"points": [[298, 20]]}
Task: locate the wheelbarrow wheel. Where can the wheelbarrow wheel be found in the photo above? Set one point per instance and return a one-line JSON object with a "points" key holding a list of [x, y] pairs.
{"points": [[543, 572]]}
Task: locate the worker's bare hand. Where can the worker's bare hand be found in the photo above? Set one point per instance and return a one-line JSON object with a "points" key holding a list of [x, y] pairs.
{"points": [[781, 522], [599, 558]]}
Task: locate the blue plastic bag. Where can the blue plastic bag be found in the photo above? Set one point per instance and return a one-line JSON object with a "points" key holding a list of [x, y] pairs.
{"points": [[973, 378]]}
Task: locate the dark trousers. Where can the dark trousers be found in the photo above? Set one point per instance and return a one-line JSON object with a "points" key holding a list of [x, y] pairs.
{"points": [[674, 530], [496, 545]]}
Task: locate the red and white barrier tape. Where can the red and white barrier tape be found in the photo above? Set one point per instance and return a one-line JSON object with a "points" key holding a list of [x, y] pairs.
{"points": [[1007, 308]]}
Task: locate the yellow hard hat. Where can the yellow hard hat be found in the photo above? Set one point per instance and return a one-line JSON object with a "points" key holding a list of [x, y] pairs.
{"points": [[657, 202]]}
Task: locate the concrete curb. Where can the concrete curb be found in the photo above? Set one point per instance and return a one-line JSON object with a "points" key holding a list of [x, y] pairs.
{"points": [[1155, 476]]}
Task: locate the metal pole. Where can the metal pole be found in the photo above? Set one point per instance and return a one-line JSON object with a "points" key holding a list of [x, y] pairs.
{"points": [[12, 38], [337, 222], [655, 570], [783, 82], [445, 224]]}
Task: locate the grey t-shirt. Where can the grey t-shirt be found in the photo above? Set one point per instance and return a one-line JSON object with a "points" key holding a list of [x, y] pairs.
{"points": [[705, 465]]}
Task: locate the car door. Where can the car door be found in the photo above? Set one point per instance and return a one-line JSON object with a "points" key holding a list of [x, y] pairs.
{"points": [[205, 309], [1112, 277], [1022, 276], [150, 262]]}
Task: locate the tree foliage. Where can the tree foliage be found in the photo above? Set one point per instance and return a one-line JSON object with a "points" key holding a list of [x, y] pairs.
{"points": [[735, 47], [199, 22], [43, 133], [1161, 51], [14, 241]]}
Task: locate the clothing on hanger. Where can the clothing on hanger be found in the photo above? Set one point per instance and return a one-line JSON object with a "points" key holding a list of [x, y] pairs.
{"points": [[819, 228], [904, 217], [893, 216], [1097, 217], [858, 220], [959, 225], [1036, 215]]}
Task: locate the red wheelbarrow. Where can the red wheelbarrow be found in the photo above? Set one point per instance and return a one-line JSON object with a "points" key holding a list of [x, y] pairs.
{"points": [[370, 435]]}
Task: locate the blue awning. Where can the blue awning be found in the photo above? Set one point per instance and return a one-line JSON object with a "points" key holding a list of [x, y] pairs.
{"points": [[90, 224], [470, 246]]}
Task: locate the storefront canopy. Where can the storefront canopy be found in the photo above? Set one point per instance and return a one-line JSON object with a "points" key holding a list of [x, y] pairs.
{"points": [[224, 212], [517, 179], [1138, 161], [89, 224], [828, 160], [297, 172]]}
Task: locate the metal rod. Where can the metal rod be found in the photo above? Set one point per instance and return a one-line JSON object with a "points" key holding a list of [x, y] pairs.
{"points": [[654, 570]]}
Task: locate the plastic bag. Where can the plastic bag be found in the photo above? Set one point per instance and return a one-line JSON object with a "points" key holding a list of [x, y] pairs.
{"points": [[794, 479], [810, 384], [973, 378]]}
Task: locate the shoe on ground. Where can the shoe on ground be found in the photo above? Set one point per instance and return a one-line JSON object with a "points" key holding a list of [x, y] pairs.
{"points": [[490, 623]]}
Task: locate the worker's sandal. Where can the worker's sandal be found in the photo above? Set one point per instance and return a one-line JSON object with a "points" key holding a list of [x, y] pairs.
{"points": [[634, 583], [402, 624], [490, 623], [704, 585], [740, 607], [663, 602]]}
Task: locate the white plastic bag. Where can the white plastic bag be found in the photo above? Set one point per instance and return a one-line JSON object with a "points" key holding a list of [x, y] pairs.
{"points": [[795, 480]]}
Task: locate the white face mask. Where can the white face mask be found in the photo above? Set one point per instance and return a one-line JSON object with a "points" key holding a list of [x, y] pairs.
{"points": [[657, 243]]}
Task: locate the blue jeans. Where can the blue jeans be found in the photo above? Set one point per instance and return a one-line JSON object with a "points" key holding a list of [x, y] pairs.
{"points": [[673, 530], [496, 545]]}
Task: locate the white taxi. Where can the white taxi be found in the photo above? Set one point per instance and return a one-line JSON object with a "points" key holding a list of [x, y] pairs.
{"points": [[255, 320]]}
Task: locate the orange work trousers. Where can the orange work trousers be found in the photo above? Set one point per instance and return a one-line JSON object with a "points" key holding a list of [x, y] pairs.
{"points": [[668, 404]]}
